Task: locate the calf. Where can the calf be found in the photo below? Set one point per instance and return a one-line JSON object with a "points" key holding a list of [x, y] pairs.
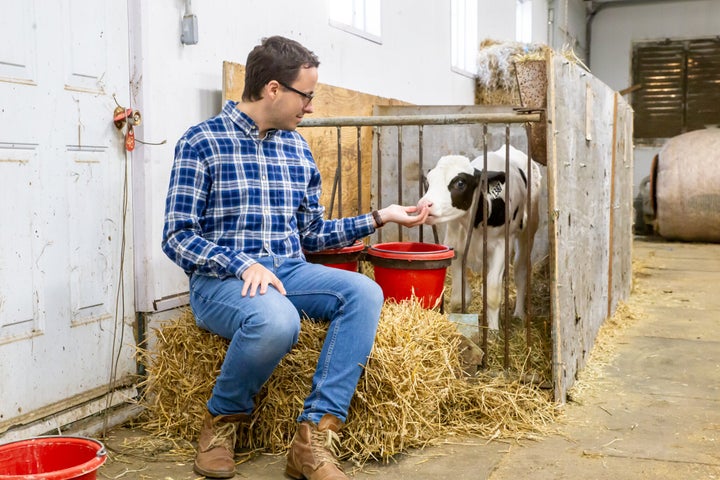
{"points": [[450, 194]]}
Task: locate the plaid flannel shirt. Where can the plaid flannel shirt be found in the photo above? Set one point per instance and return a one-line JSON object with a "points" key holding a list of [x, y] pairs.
{"points": [[234, 197]]}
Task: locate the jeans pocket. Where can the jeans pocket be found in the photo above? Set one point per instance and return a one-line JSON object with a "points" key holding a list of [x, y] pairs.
{"points": [[196, 299]]}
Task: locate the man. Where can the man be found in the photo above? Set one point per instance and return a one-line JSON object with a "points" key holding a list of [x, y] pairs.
{"points": [[242, 204]]}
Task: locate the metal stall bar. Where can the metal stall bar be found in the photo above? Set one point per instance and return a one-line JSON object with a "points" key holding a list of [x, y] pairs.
{"points": [[399, 181], [395, 120], [506, 271], [359, 171], [421, 183], [529, 265], [337, 181], [484, 318], [377, 133], [420, 121]]}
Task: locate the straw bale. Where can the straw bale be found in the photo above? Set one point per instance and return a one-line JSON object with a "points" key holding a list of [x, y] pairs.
{"points": [[496, 63], [413, 392]]}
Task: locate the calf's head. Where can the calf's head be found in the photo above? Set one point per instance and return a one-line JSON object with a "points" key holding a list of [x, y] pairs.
{"points": [[451, 186]]}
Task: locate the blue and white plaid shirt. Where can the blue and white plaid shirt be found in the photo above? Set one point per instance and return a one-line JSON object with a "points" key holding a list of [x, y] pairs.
{"points": [[234, 197]]}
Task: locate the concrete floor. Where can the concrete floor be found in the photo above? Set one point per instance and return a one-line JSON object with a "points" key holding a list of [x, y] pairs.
{"points": [[653, 411]]}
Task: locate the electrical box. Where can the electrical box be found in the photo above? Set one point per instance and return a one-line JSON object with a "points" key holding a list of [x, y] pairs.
{"points": [[189, 34]]}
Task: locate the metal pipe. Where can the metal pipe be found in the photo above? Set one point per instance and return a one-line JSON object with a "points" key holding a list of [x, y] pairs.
{"points": [[395, 120], [528, 266], [378, 135], [421, 186], [506, 271], [596, 7], [399, 176], [359, 171], [337, 179], [484, 317], [339, 171]]}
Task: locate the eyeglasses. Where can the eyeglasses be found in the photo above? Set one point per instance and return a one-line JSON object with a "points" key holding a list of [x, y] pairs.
{"points": [[307, 96]]}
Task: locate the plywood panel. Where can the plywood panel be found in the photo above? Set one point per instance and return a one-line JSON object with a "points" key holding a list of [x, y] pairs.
{"points": [[331, 101], [590, 202], [620, 279]]}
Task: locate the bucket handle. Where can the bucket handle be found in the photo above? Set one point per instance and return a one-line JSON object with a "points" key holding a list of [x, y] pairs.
{"points": [[100, 453]]}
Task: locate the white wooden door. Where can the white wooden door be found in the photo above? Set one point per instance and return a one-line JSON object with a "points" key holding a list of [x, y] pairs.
{"points": [[66, 294]]}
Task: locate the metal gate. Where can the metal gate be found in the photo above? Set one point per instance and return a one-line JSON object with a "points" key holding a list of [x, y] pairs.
{"points": [[396, 172]]}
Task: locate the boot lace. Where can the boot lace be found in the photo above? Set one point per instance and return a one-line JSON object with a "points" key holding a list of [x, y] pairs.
{"points": [[326, 446], [225, 436]]}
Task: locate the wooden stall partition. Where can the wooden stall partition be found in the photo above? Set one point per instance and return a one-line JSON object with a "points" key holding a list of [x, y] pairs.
{"points": [[590, 211], [621, 209], [329, 102]]}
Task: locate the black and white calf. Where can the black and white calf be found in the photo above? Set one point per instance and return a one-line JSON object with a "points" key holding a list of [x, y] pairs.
{"points": [[450, 193]]}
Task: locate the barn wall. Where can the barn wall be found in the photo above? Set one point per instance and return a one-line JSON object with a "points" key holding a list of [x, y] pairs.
{"points": [[589, 202], [615, 28]]}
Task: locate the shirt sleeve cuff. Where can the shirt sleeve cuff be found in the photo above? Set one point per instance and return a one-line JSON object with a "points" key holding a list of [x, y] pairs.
{"points": [[365, 224]]}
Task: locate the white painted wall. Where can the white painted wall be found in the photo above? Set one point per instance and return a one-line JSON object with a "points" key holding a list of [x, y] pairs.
{"points": [[176, 85], [615, 28], [496, 20]]}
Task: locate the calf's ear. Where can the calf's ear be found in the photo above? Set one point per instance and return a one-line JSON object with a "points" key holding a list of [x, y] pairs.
{"points": [[496, 176], [491, 176]]}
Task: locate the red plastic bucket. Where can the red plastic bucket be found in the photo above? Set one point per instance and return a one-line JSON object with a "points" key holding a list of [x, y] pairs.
{"points": [[404, 269], [51, 458], [345, 258]]}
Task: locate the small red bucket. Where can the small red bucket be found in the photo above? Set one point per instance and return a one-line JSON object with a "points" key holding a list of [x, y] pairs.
{"points": [[345, 258], [404, 269], [51, 458]]}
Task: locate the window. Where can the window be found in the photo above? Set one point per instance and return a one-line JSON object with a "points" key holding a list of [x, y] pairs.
{"points": [[359, 17], [464, 44], [677, 86], [523, 21]]}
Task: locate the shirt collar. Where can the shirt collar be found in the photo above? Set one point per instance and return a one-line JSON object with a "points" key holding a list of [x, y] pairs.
{"points": [[242, 120]]}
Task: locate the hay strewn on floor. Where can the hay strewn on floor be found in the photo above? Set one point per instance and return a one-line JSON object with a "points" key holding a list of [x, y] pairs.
{"points": [[535, 360], [412, 393], [590, 378]]}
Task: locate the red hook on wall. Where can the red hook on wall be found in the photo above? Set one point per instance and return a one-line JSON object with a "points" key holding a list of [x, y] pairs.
{"points": [[121, 116]]}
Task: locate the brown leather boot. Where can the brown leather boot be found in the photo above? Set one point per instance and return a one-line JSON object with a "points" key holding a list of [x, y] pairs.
{"points": [[216, 447], [313, 452]]}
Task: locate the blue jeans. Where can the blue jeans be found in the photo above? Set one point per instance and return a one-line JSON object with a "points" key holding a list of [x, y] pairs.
{"points": [[263, 328]]}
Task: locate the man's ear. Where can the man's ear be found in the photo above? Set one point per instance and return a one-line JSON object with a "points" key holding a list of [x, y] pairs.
{"points": [[272, 88]]}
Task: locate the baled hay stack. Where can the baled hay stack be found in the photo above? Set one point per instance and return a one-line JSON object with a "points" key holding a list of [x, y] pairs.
{"points": [[496, 78], [412, 393]]}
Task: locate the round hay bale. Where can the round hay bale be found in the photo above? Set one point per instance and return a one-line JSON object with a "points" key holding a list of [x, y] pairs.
{"points": [[685, 185]]}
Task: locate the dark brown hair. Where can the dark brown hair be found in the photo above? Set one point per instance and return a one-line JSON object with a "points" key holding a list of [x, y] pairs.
{"points": [[276, 58]]}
